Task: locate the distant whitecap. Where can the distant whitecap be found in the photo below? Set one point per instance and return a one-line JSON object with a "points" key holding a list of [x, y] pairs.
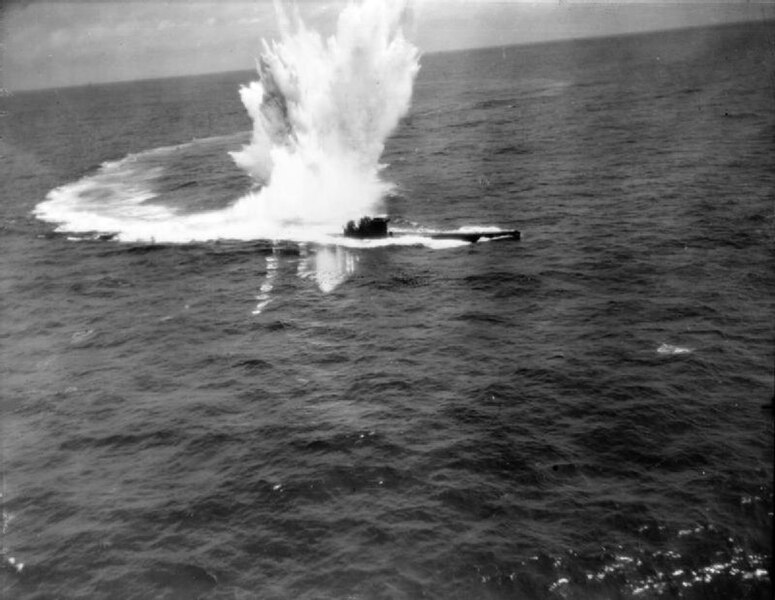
{"points": [[671, 349]]}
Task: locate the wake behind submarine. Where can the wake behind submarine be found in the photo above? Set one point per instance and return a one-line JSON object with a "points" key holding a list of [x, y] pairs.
{"points": [[377, 228]]}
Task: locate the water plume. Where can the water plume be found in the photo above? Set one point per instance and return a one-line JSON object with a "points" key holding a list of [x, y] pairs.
{"points": [[322, 111]]}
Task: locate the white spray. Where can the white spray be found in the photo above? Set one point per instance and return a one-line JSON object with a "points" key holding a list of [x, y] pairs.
{"points": [[322, 111]]}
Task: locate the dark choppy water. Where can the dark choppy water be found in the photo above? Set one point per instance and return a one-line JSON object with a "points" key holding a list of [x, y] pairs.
{"points": [[577, 415]]}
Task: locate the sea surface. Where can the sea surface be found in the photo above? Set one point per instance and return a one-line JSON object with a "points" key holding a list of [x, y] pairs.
{"points": [[575, 415]]}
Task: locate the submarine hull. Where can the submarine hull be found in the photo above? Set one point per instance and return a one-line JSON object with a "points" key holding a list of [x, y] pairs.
{"points": [[377, 228]]}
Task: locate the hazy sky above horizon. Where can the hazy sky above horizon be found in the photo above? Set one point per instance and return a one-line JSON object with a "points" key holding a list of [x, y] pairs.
{"points": [[49, 43]]}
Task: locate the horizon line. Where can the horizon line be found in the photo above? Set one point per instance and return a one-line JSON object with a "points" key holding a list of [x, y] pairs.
{"points": [[9, 92]]}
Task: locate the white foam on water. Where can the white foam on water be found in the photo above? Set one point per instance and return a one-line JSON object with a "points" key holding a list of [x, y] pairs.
{"points": [[264, 297], [332, 266], [670, 349]]}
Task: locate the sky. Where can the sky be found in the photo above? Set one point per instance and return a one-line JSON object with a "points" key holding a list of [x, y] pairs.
{"points": [[59, 43]]}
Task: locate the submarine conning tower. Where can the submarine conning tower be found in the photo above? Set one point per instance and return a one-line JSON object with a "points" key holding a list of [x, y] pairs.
{"points": [[367, 228]]}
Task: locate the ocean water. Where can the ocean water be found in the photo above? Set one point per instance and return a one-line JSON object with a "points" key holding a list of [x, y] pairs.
{"points": [[578, 414]]}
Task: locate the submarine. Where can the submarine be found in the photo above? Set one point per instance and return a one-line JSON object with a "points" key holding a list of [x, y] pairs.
{"points": [[374, 228]]}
